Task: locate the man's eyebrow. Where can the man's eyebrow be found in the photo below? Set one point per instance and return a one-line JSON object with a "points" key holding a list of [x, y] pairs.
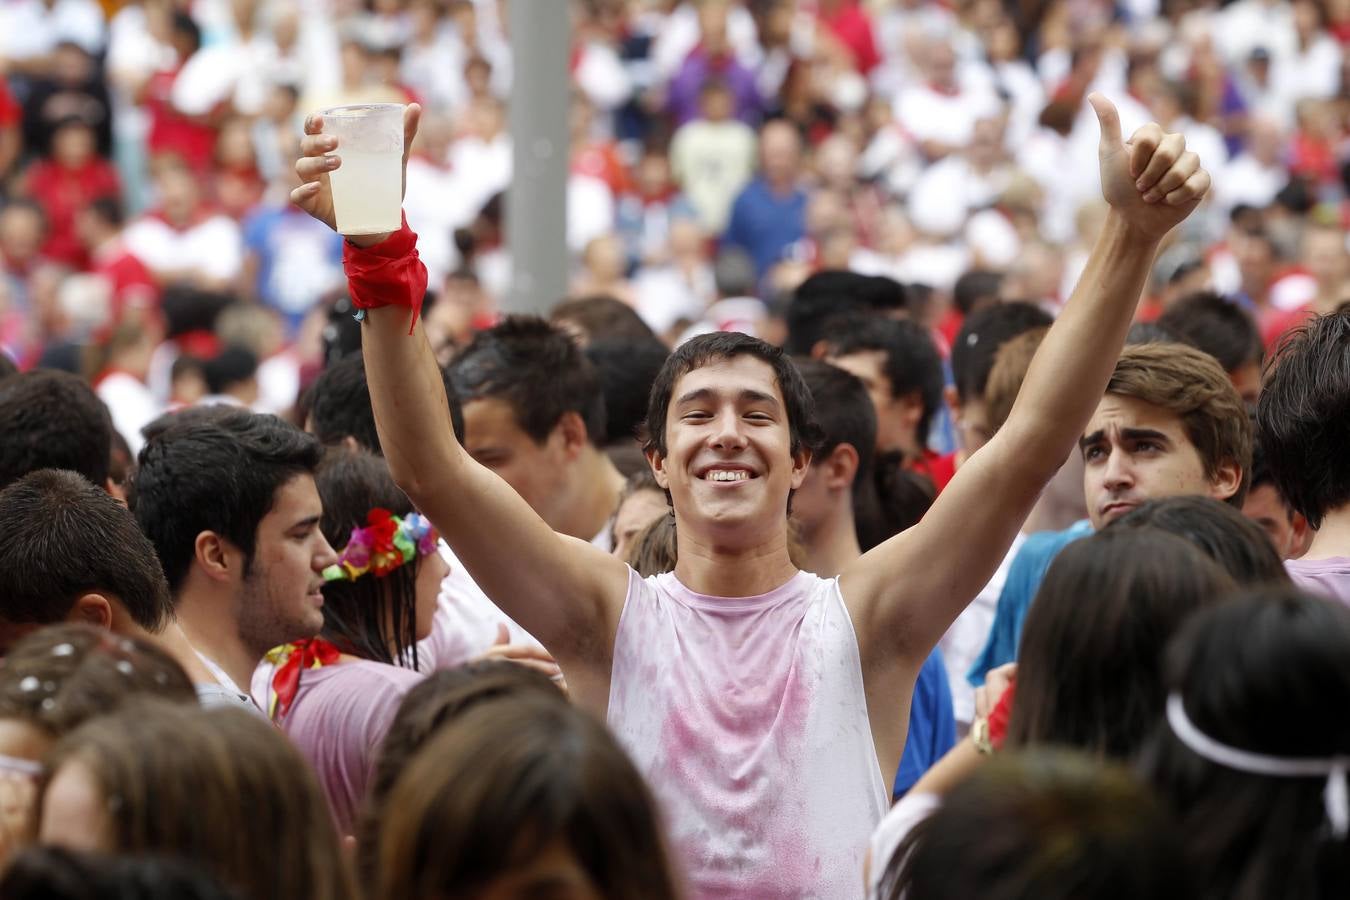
{"points": [[752, 396], [307, 522], [1144, 434], [696, 395], [748, 395], [1088, 440]]}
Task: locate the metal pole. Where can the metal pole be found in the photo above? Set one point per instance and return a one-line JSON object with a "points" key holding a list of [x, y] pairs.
{"points": [[536, 202]]}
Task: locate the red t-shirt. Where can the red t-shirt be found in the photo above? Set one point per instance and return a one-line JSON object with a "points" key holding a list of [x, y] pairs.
{"points": [[62, 193], [939, 468], [10, 111], [174, 132]]}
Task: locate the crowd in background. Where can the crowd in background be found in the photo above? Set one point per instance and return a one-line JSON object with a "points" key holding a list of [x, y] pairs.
{"points": [[873, 213], [721, 152]]}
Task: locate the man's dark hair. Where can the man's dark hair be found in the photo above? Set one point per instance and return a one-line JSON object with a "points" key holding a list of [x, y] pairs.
{"points": [[600, 316], [976, 290], [338, 405], [52, 420], [60, 538], [734, 273], [1261, 473], [1217, 326], [230, 367], [845, 415], [977, 343], [826, 295], [705, 349], [215, 473], [537, 370], [1303, 416], [912, 362], [52, 873], [1218, 529], [627, 368]]}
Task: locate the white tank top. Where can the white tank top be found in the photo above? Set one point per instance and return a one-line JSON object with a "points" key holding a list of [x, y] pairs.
{"points": [[747, 717]]}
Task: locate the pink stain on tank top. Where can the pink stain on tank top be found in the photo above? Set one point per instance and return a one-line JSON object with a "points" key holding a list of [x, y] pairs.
{"points": [[748, 718]]}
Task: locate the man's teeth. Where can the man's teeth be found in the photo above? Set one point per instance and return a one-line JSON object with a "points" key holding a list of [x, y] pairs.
{"points": [[728, 475]]}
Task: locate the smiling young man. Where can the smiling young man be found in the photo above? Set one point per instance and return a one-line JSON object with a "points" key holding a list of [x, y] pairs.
{"points": [[760, 701], [1170, 424], [228, 499]]}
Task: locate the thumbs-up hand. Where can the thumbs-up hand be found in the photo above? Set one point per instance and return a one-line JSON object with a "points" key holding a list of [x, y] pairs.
{"points": [[1152, 181]]}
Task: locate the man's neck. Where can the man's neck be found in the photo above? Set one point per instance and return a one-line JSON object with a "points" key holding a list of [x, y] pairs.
{"points": [[599, 496], [706, 567], [209, 630], [1333, 538], [834, 543]]}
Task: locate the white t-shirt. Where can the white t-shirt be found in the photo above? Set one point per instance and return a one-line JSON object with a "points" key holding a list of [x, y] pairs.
{"points": [[899, 822], [465, 623], [967, 635], [212, 247], [748, 718]]}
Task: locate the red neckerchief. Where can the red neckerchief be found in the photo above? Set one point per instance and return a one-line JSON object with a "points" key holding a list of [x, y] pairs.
{"points": [[308, 654]]}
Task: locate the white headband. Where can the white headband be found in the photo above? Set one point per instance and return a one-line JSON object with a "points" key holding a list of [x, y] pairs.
{"points": [[1336, 796]]}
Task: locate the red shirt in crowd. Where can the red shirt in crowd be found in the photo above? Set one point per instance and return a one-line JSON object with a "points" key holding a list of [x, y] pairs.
{"points": [[62, 192], [174, 132]]}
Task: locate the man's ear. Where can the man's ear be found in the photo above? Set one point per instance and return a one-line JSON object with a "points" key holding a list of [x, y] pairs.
{"points": [[571, 429], [213, 555], [658, 464], [1302, 535], [801, 462], [1227, 479], [117, 491], [92, 609], [840, 467]]}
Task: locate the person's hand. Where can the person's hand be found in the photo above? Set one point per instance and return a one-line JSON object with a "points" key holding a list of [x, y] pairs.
{"points": [[996, 681], [1153, 182], [521, 654], [314, 195]]}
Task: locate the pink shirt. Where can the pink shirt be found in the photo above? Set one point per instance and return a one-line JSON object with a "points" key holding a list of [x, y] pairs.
{"points": [[338, 721], [1322, 577], [747, 717]]}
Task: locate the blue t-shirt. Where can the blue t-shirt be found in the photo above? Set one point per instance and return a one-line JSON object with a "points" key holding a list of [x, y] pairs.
{"points": [[1024, 580], [765, 224], [299, 259], [932, 724]]}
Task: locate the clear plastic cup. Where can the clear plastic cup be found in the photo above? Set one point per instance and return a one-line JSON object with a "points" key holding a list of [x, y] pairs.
{"points": [[368, 186]]}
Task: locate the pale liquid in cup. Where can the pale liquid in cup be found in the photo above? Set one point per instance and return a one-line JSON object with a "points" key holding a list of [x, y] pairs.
{"points": [[368, 192]]}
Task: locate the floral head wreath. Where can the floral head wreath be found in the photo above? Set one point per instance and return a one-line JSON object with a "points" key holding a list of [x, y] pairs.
{"points": [[386, 543]]}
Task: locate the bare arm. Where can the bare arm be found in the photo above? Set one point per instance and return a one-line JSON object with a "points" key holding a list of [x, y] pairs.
{"points": [[906, 592], [565, 592]]}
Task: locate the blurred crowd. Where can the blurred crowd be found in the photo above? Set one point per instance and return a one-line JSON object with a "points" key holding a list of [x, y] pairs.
{"points": [[722, 151]]}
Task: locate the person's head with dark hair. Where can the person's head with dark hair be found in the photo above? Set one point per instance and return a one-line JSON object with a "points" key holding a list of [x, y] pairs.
{"points": [[1260, 676], [734, 273], [594, 318], [976, 290], [730, 432], [640, 503], [837, 501], [1303, 418], [826, 295], [1218, 530], [1170, 424], [70, 552], [51, 873], [1226, 332], [972, 359], [1089, 670], [233, 372], [1265, 505], [53, 420], [373, 616], [1150, 333], [627, 367], [534, 413], [54, 680], [220, 788], [428, 708], [1050, 825], [902, 371], [561, 804], [338, 406], [229, 501]]}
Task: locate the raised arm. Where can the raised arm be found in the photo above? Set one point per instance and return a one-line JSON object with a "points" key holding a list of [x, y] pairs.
{"points": [[563, 591], [906, 592]]}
